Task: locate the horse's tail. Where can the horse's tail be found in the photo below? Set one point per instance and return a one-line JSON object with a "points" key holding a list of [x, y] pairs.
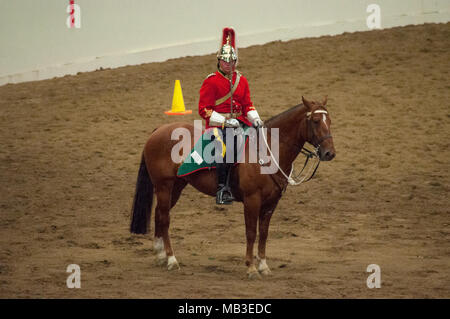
{"points": [[143, 200]]}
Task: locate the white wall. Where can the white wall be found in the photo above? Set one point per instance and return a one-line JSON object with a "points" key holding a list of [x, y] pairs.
{"points": [[35, 42]]}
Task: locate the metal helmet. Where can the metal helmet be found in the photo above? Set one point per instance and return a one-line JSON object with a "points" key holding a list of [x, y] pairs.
{"points": [[228, 51]]}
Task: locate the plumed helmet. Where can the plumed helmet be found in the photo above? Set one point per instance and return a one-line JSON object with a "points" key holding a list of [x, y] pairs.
{"points": [[228, 51]]}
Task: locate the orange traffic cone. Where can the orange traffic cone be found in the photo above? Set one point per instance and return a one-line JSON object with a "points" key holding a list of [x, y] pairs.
{"points": [[178, 102]]}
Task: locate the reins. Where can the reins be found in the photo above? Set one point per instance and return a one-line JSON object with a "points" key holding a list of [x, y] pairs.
{"points": [[305, 152], [309, 155]]}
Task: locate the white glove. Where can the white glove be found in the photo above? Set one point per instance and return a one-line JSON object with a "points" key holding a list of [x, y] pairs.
{"points": [[231, 123], [253, 116], [258, 123]]}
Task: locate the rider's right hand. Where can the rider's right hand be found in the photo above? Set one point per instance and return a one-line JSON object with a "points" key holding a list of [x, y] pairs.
{"points": [[231, 123]]}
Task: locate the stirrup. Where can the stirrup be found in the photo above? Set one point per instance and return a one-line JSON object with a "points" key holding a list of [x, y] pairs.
{"points": [[224, 196]]}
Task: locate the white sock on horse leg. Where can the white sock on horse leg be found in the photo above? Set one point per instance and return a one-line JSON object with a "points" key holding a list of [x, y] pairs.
{"points": [[158, 244], [172, 263], [262, 265], [162, 255]]}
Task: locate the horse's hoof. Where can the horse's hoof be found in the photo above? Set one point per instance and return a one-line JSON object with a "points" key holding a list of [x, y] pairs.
{"points": [[265, 272], [263, 268], [254, 275], [161, 261], [172, 263], [173, 267]]}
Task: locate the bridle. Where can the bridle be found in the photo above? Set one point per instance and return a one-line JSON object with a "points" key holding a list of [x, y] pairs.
{"points": [[310, 129], [309, 154]]}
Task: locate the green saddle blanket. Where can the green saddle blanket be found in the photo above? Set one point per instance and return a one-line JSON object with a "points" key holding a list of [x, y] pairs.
{"points": [[203, 153]]}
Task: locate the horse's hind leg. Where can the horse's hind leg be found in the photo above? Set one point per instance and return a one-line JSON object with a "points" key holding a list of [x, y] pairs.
{"points": [[167, 195], [158, 243], [176, 191]]}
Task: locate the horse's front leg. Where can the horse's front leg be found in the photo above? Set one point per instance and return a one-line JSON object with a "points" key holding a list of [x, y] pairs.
{"points": [[264, 221], [252, 206]]}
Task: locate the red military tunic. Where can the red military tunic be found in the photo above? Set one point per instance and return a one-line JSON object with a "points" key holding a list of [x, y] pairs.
{"points": [[216, 86]]}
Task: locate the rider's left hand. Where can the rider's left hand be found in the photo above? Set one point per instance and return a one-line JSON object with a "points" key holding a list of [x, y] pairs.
{"points": [[258, 123]]}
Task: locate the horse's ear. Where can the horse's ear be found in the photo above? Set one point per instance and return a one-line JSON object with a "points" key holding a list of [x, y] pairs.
{"points": [[307, 103], [324, 102]]}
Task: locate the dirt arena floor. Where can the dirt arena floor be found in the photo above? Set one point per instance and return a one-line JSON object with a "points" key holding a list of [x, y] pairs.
{"points": [[71, 148]]}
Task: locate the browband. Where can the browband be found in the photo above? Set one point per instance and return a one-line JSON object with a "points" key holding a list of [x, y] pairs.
{"points": [[318, 111]]}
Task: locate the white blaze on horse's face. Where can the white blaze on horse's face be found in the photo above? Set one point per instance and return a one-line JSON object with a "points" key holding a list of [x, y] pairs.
{"points": [[321, 134], [324, 116], [324, 119]]}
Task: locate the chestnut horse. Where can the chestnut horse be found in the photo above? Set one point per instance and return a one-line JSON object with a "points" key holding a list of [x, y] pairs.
{"points": [[260, 193]]}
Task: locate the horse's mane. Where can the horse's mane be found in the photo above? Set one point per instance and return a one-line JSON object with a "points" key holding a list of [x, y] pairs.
{"points": [[283, 114]]}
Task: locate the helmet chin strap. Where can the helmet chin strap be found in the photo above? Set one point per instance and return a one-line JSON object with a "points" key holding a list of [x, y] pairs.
{"points": [[230, 76]]}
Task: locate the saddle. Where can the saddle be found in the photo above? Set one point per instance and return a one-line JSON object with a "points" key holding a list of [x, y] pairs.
{"points": [[203, 154]]}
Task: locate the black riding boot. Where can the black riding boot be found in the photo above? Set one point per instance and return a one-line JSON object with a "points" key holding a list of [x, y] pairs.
{"points": [[224, 195]]}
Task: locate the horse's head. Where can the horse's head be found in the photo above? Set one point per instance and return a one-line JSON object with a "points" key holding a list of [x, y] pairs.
{"points": [[318, 124]]}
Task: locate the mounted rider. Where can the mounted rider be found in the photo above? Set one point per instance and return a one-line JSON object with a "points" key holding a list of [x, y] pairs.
{"points": [[225, 103]]}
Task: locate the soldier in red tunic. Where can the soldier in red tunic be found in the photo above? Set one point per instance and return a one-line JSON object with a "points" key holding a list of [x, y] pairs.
{"points": [[226, 104]]}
